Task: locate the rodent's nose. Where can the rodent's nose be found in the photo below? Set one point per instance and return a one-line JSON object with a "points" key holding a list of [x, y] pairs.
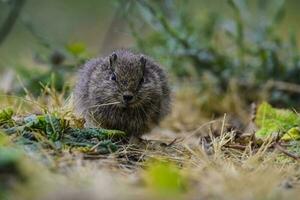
{"points": [[127, 97]]}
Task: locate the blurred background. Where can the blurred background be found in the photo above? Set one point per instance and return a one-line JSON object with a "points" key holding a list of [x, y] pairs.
{"points": [[223, 58], [224, 54]]}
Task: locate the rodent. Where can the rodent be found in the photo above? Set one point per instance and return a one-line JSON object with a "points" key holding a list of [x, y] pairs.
{"points": [[124, 91]]}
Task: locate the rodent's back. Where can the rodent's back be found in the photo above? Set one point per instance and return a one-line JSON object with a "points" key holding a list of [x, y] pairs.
{"points": [[81, 91], [104, 83]]}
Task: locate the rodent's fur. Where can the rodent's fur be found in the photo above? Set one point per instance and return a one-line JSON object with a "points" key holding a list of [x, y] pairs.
{"points": [[103, 81]]}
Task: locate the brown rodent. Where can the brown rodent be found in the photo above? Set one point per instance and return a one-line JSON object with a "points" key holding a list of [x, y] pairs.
{"points": [[124, 91]]}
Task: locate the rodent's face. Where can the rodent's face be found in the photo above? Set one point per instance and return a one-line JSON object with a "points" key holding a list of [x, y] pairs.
{"points": [[127, 76]]}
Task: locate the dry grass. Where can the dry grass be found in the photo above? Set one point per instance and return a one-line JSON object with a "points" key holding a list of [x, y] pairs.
{"points": [[210, 170]]}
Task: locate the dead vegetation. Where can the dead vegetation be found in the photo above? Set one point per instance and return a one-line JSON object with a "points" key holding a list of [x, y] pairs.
{"points": [[189, 157]]}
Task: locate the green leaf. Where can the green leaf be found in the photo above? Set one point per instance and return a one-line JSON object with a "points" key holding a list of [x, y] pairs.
{"points": [[6, 115], [292, 134], [164, 178], [53, 127], [274, 121]]}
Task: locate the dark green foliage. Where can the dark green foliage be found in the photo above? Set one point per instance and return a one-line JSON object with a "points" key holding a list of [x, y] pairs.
{"points": [[89, 133], [54, 127], [102, 147], [245, 47], [50, 125], [86, 138], [53, 132]]}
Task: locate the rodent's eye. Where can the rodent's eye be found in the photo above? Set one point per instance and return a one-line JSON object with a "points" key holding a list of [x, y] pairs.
{"points": [[113, 77]]}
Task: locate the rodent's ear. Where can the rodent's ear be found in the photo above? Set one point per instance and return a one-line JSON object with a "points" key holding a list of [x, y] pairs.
{"points": [[143, 61], [112, 58]]}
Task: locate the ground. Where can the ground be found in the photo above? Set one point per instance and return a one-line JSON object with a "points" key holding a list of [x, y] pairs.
{"points": [[187, 157]]}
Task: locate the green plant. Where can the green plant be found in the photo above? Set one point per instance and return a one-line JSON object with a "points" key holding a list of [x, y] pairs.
{"points": [[280, 122], [56, 64], [245, 47], [164, 178], [54, 132]]}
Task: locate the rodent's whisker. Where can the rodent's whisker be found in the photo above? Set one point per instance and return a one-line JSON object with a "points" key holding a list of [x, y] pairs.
{"points": [[105, 104]]}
